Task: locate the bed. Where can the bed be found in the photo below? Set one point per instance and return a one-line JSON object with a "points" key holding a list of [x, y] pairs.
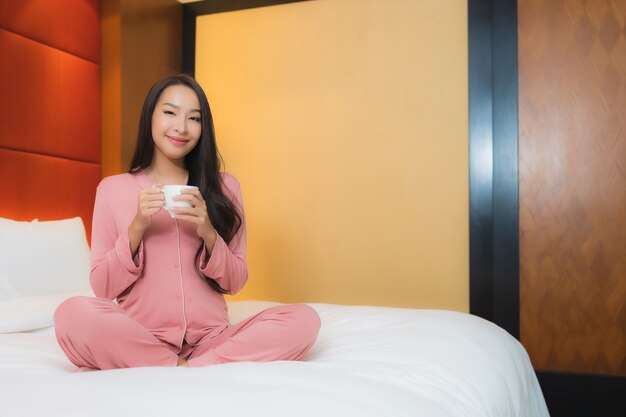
{"points": [[367, 361]]}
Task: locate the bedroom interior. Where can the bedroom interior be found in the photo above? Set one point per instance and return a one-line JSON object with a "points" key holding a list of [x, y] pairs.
{"points": [[489, 127]]}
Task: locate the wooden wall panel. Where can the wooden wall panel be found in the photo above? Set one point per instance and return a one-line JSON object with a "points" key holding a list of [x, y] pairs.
{"points": [[52, 100], [141, 43], [572, 96], [151, 39], [69, 25]]}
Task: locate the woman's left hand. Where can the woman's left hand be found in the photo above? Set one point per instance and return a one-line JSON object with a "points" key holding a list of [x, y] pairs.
{"points": [[197, 214]]}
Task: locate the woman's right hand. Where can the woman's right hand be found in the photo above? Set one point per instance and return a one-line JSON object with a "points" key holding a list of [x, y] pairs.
{"points": [[151, 201]]}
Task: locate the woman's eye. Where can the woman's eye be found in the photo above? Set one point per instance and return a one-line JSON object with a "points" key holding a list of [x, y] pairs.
{"points": [[195, 118], [169, 112]]}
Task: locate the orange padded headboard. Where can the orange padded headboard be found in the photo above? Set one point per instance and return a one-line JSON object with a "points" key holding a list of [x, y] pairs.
{"points": [[50, 109]]}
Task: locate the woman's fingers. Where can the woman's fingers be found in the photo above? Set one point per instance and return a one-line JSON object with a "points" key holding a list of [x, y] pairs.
{"points": [[185, 211], [153, 193], [154, 203], [151, 200], [191, 195], [196, 214]]}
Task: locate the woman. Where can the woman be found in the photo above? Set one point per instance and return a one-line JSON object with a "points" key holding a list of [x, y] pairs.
{"points": [[168, 275]]}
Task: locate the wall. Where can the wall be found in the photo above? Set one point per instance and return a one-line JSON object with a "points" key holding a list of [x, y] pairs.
{"points": [[572, 93], [141, 43], [49, 112], [346, 123]]}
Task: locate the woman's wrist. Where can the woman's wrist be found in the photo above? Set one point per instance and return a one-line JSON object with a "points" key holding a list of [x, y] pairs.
{"points": [[137, 227], [135, 233], [209, 240]]}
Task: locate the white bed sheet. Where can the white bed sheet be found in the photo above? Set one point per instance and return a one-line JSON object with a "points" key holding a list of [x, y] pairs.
{"points": [[368, 361]]}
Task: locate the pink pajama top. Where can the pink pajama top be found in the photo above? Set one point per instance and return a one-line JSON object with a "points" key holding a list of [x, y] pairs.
{"points": [[162, 287]]}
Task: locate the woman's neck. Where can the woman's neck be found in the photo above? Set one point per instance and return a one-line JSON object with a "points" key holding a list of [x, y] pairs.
{"points": [[166, 172]]}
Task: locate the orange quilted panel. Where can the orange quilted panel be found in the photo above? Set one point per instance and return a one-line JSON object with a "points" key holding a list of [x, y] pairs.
{"points": [[69, 25], [47, 188], [51, 100]]}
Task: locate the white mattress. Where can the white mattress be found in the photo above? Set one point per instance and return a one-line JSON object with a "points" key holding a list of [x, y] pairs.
{"points": [[368, 361]]}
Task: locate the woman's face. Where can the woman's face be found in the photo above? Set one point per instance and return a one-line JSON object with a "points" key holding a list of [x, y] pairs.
{"points": [[176, 125]]}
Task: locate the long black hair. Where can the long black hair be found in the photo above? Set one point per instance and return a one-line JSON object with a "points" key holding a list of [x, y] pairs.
{"points": [[202, 163]]}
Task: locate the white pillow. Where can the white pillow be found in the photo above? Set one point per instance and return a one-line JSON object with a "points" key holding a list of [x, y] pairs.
{"points": [[43, 258], [31, 313]]}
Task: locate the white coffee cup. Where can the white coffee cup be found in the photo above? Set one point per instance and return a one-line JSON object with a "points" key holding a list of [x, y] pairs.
{"points": [[170, 191]]}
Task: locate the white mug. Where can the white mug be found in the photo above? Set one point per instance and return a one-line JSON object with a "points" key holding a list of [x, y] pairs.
{"points": [[170, 191]]}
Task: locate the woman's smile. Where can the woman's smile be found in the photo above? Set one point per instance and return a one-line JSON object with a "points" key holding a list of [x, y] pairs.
{"points": [[178, 141]]}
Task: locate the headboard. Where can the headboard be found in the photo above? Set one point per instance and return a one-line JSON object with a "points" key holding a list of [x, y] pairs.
{"points": [[50, 109]]}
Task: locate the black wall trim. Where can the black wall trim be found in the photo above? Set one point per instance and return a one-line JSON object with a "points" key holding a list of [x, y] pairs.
{"points": [[195, 9], [493, 156], [188, 58], [480, 16], [574, 395]]}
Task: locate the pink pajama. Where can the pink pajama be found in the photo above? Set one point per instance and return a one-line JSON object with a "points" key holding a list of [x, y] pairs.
{"points": [[165, 308], [96, 333]]}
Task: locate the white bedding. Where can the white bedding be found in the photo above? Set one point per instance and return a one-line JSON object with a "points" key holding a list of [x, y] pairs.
{"points": [[368, 361]]}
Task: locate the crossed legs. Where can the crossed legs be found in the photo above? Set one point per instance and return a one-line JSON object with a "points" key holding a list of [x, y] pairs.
{"points": [[96, 333]]}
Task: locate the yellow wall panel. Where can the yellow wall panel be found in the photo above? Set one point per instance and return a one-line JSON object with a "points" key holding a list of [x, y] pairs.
{"points": [[346, 123]]}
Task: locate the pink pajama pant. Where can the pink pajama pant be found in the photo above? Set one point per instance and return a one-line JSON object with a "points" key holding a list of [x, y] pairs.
{"points": [[96, 333]]}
